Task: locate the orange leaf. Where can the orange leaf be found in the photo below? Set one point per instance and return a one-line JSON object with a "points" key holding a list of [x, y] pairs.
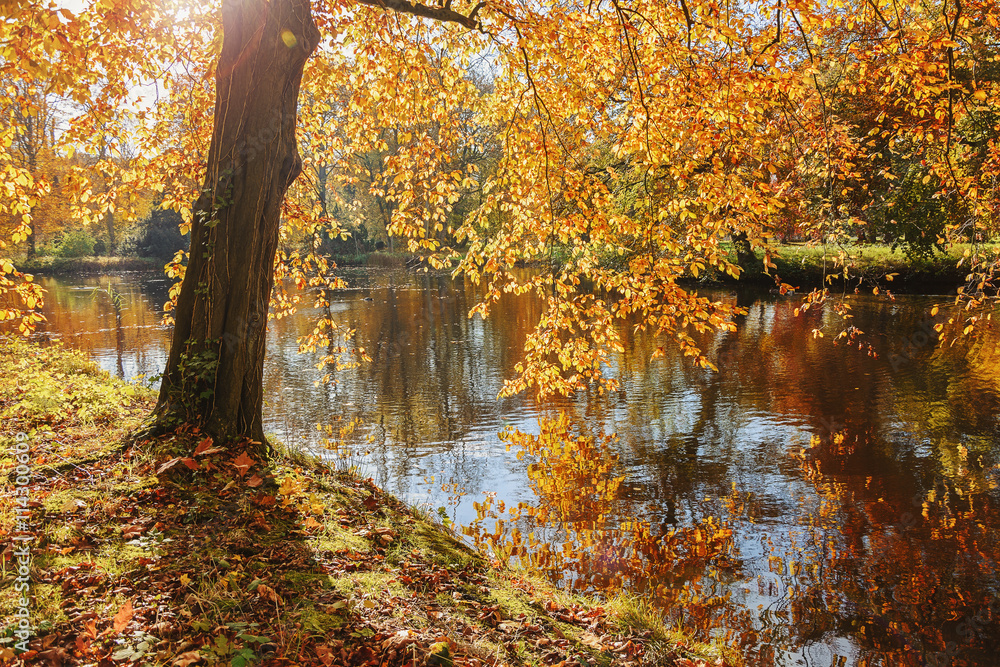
{"points": [[243, 463], [205, 448], [202, 446], [123, 616], [269, 593]]}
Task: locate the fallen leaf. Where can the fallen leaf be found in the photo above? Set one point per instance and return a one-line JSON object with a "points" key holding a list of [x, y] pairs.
{"points": [[185, 580], [132, 531], [123, 616], [311, 523], [90, 627], [190, 463], [205, 448], [269, 593], [187, 658], [82, 644], [202, 446], [325, 654], [72, 505], [167, 466], [243, 463], [399, 638], [55, 657], [255, 481]]}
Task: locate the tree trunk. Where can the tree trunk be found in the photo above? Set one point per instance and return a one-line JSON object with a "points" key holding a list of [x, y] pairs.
{"points": [[33, 169], [32, 248], [746, 258], [213, 376], [109, 221]]}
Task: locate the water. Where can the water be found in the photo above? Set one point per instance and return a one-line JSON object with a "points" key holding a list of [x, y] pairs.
{"points": [[813, 503]]}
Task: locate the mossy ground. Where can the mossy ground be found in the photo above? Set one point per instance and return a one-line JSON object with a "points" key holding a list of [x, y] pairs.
{"points": [[209, 557]]}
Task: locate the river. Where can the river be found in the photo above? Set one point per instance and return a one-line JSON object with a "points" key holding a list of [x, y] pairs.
{"points": [[814, 502]]}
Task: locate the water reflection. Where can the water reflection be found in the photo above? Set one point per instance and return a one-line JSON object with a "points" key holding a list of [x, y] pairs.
{"points": [[814, 502]]}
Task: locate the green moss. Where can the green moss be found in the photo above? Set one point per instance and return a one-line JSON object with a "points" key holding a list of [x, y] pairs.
{"points": [[308, 581], [368, 585], [58, 500], [512, 602], [437, 544], [633, 614], [319, 622], [61, 534], [46, 603], [334, 538]]}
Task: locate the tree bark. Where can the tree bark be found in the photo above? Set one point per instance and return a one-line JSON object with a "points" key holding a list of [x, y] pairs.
{"points": [[214, 371]]}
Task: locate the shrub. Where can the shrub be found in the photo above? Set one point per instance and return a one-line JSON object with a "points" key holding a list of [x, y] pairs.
{"points": [[51, 385], [77, 243], [162, 237]]}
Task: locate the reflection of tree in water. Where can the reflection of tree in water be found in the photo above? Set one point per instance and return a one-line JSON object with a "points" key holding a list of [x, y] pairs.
{"points": [[116, 300], [826, 535], [580, 530], [115, 318], [432, 378], [909, 569], [829, 549]]}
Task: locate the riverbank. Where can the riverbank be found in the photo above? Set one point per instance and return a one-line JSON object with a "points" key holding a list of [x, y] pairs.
{"points": [[46, 266], [800, 265], [53, 266], [806, 267], [203, 556], [870, 266]]}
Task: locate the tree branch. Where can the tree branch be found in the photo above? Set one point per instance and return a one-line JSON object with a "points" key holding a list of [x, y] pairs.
{"points": [[444, 14]]}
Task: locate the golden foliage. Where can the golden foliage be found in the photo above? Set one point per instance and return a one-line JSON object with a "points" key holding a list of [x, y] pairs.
{"points": [[620, 144]]}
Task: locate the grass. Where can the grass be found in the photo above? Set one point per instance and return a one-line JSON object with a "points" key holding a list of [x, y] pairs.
{"points": [[102, 264], [872, 265], [279, 563], [867, 266]]}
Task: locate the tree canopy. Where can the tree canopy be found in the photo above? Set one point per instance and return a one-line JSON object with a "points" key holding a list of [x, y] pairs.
{"points": [[619, 145]]}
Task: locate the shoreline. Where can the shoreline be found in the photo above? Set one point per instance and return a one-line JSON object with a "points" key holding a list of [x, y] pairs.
{"points": [[172, 552], [800, 266]]}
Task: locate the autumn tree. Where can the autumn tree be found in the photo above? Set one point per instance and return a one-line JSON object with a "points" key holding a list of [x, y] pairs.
{"points": [[634, 141], [31, 111]]}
